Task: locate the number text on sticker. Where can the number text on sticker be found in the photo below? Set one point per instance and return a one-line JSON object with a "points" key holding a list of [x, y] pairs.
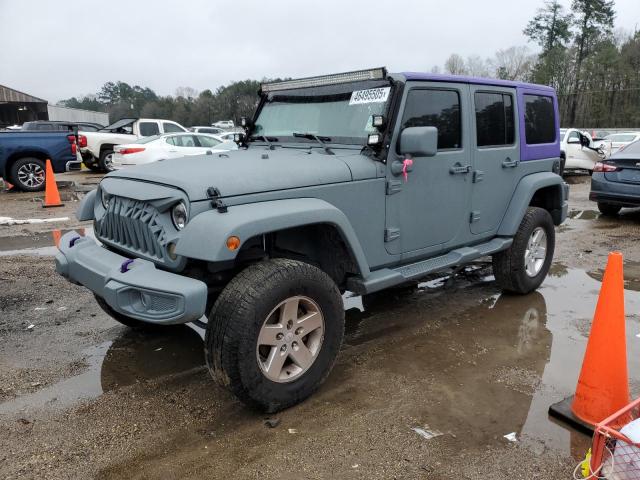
{"points": [[373, 95]]}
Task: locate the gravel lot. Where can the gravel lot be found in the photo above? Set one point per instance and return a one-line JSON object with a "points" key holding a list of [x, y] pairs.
{"points": [[84, 397]]}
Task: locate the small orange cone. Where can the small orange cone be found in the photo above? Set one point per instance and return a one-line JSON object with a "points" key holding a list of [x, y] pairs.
{"points": [[8, 186], [603, 384], [51, 194]]}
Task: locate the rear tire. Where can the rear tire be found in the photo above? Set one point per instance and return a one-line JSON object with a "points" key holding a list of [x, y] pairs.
{"points": [[27, 174], [106, 161], [250, 328], [524, 265], [128, 321], [609, 209]]}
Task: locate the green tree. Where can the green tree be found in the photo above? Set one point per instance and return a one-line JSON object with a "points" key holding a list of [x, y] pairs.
{"points": [[550, 27]]}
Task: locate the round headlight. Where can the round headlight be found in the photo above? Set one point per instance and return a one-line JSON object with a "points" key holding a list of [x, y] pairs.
{"points": [[105, 198], [179, 215]]}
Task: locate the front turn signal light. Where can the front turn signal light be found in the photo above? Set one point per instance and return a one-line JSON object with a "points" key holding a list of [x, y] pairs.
{"points": [[233, 243]]}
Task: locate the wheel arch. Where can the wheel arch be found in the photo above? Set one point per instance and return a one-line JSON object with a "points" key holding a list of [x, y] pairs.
{"points": [[545, 190], [14, 157], [303, 222]]}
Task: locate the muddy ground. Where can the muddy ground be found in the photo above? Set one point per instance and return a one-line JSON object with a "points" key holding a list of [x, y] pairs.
{"points": [[84, 397]]}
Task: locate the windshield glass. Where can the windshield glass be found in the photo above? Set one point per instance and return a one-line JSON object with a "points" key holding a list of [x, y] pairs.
{"points": [[148, 139], [343, 117]]}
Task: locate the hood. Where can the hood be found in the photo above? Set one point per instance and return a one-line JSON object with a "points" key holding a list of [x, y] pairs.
{"points": [[253, 170]]}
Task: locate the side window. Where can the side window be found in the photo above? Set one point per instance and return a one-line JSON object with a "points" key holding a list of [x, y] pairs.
{"points": [[207, 141], [149, 128], [435, 108], [574, 137], [539, 119], [495, 124], [171, 127], [171, 140]]}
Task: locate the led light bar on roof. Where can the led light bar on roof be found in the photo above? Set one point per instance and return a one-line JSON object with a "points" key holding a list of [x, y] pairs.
{"points": [[336, 78]]}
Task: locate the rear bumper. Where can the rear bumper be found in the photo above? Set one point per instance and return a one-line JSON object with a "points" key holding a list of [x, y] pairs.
{"points": [[142, 291], [615, 193]]}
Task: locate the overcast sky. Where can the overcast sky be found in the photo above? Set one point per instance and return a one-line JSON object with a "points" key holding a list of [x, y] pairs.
{"points": [[58, 49]]}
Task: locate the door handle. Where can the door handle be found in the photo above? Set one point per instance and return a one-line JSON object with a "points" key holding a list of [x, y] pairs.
{"points": [[459, 168], [508, 163]]}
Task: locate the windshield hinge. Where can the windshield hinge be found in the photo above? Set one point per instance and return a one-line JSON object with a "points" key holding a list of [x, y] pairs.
{"points": [[214, 194]]}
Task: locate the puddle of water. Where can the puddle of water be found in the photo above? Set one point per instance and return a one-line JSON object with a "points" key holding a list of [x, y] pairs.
{"points": [[631, 275], [39, 244], [131, 358], [583, 214]]}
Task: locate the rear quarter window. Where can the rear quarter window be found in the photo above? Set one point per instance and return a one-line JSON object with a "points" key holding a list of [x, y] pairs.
{"points": [[149, 128], [539, 119]]}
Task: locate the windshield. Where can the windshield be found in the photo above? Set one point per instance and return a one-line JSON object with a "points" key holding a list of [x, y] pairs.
{"points": [[343, 117], [144, 140]]}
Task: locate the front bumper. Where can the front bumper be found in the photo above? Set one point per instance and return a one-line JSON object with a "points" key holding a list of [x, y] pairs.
{"points": [[135, 288]]}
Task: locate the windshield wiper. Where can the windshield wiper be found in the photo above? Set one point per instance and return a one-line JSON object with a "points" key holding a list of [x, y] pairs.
{"points": [[320, 140], [265, 140]]}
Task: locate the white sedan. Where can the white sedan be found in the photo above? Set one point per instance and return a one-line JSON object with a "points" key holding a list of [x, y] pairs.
{"points": [[161, 147], [619, 140]]}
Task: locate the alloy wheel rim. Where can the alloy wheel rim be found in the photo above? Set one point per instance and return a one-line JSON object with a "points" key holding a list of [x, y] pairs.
{"points": [[290, 339], [108, 161], [31, 175], [536, 252]]}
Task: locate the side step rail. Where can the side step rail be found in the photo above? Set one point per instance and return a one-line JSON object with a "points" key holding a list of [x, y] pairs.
{"points": [[388, 277]]}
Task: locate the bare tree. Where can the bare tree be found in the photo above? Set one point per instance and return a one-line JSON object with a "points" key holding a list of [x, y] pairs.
{"points": [[513, 63], [455, 65], [476, 66]]}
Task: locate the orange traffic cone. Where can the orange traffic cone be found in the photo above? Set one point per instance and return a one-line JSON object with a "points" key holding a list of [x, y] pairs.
{"points": [[51, 194], [603, 384]]}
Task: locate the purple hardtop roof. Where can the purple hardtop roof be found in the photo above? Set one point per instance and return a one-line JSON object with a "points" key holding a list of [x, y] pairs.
{"points": [[436, 77]]}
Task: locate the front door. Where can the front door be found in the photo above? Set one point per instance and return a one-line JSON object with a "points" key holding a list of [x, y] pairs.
{"points": [[427, 210], [496, 154]]}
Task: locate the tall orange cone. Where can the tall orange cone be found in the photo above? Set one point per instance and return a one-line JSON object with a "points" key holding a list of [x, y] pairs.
{"points": [[603, 384], [51, 194]]}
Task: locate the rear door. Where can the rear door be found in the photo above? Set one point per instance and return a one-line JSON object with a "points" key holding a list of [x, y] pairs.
{"points": [[496, 154], [184, 145]]}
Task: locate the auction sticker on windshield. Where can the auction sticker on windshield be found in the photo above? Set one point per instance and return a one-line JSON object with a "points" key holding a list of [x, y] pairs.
{"points": [[372, 95]]}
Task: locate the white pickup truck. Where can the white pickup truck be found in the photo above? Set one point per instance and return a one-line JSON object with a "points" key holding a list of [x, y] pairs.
{"points": [[579, 151], [96, 148]]}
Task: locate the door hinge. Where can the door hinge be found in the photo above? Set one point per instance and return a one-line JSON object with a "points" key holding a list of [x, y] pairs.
{"points": [[474, 216], [394, 186], [391, 234], [478, 176]]}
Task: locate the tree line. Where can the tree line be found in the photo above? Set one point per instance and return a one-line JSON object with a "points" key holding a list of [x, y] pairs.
{"points": [[594, 69]]}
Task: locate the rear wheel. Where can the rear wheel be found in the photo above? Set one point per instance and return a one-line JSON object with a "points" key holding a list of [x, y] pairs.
{"points": [[28, 174], [609, 209], [106, 161], [522, 268], [274, 333]]}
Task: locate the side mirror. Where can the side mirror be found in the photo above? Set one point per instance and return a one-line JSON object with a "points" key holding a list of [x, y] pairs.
{"points": [[584, 140], [419, 141]]}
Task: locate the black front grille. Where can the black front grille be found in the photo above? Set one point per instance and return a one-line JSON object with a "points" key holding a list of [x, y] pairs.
{"points": [[133, 225]]}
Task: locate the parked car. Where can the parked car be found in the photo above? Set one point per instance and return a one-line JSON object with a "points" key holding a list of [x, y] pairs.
{"points": [[59, 126], [615, 182], [599, 134], [334, 190], [621, 139], [579, 151], [96, 148], [227, 136], [162, 147], [211, 130], [224, 124], [23, 155]]}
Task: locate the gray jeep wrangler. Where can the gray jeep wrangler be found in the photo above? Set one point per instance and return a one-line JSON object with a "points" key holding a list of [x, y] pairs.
{"points": [[356, 181]]}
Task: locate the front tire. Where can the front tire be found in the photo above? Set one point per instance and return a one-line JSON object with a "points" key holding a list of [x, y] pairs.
{"points": [[28, 174], [274, 333], [524, 265], [609, 209]]}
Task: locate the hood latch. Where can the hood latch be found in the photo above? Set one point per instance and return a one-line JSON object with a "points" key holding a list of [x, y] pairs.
{"points": [[214, 194]]}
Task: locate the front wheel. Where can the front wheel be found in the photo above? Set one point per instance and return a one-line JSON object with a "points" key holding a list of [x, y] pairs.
{"points": [[106, 161], [524, 265], [274, 333]]}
